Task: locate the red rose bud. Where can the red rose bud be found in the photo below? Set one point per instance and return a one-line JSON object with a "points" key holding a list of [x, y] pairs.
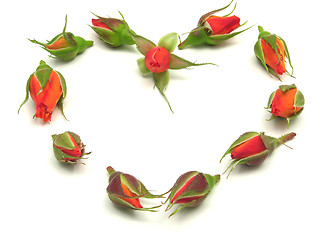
{"points": [[65, 46], [158, 59], [191, 189], [124, 190], [272, 50], [112, 31], [286, 102], [213, 30], [253, 148], [47, 89], [68, 147]]}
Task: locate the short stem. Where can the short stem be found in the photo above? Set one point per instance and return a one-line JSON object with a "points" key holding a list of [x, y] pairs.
{"points": [[287, 137], [110, 169]]}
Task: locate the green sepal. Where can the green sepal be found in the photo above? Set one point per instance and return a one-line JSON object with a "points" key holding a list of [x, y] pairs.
{"points": [[299, 100], [243, 138], [42, 73], [64, 94], [270, 100], [259, 54], [108, 36], [217, 39], [121, 203], [287, 55], [63, 140], [246, 161], [27, 93], [284, 88], [180, 63], [143, 45], [203, 188], [205, 16], [161, 81], [182, 180], [82, 44], [196, 37], [212, 180], [169, 41], [142, 66], [117, 36]]}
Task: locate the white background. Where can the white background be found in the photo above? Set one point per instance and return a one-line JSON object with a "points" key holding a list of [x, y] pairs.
{"points": [[128, 125]]}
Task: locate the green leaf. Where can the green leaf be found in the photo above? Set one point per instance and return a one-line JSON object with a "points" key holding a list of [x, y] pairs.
{"points": [[169, 41], [161, 81]]}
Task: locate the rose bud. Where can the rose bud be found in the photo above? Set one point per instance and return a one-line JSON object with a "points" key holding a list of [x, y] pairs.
{"points": [[65, 46], [286, 102], [158, 59], [47, 89], [124, 190], [68, 147], [213, 29], [272, 50], [112, 31], [191, 189], [252, 148]]}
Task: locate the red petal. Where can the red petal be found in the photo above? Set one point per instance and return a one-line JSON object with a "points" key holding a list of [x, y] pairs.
{"points": [[133, 201], [59, 44], [283, 103], [271, 58], [76, 152], [251, 147], [157, 59], [177, 194], [223, 25], [99, 23], [48, 98]]}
